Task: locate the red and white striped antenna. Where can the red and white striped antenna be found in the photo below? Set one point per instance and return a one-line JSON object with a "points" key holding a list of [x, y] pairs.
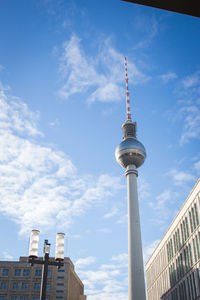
{"points": [[128, 110]]}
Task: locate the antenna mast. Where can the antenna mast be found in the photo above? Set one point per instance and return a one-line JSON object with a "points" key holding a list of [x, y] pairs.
{"points": [[128, 110]]}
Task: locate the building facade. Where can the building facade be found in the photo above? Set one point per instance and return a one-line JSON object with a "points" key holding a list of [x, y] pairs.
{"points": [[21, 281], [173, 270]]}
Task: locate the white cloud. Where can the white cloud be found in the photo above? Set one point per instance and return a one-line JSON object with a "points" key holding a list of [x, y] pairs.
{"points": [[189, 112], [106, 281], [123, 219], [161, 206], [191, 128], [111, 214], [180, 177], [148, 250], [143, 189], [7, 256], [83, 262], [197, 166], [192, 81], [168, 77], [149, 27], [15, 117], [81, 72], [39, 187], [104, 230], [123, 257]]}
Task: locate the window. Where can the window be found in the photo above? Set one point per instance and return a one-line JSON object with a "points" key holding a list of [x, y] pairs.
{"points": [[14, 297], [24, 286], [195, 249], [59, 297], [37, 286], [23, 298], [38, 272], [61, 270], [36, 298], [49, 273], [48, 286], [26, 272], [17, 272], [59, 291], [60, 277], [3, 285], [5, 272], [191, 222], [2, 297], [59, 283], [190, 255], [15, 285], [198, 247], [196, 213]]}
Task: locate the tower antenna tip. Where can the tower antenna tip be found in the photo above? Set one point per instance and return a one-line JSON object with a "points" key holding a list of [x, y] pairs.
{"points": [[128, 111]]}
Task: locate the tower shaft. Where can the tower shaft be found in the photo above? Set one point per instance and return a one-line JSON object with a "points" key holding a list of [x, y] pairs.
{"points": [[136, 284]]}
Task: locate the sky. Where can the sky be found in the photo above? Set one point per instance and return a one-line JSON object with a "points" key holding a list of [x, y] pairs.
{"points": [[62, 105]]}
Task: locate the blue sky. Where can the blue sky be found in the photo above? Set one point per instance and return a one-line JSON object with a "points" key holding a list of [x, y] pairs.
{"points": [[62, 104]]}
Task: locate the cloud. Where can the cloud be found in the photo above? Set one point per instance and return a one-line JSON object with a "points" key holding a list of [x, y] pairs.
{"points": [[100, 76], [107, 281], [104, 230], [39, 186], [191, 128], [189, 107], [162, 207], [15, 117], [192, 81], [149, 27], [197, 167], [123, 257], [168, 77], [143, 189], [112, 213], [7, 256], [148, 250], [180, 177], [83, 262]]}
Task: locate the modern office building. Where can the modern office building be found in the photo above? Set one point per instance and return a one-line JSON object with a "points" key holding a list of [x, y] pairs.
{"points": [[173, 270], [21, 281]]}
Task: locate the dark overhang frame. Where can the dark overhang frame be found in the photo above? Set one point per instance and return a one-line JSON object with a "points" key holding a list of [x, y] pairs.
{"points": [[188, 7]]}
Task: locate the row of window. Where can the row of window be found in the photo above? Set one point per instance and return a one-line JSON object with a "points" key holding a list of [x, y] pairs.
{"points": [[175, 243], [25, 272], [187, 289], [23, 286], [183, 263]]}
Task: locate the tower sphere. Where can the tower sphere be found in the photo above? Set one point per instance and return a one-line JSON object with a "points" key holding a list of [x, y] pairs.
{"points": [[130, 152]]}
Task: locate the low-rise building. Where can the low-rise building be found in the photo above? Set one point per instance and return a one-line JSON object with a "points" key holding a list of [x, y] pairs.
{"points": [[21, 281]]}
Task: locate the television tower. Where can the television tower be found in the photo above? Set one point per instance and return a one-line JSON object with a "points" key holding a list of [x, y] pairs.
{"points": [[130, 154]]}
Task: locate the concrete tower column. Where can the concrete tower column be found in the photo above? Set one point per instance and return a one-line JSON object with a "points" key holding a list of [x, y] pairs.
{"points": [[136, 284]]}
